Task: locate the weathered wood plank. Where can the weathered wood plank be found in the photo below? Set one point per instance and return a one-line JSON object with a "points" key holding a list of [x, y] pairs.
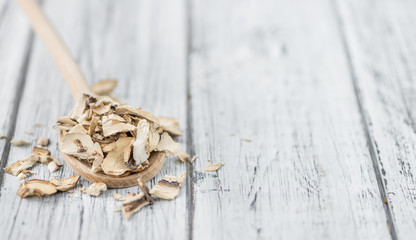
{"points": [[142, 44], [382, 49], [276, 73], [14, 49]]}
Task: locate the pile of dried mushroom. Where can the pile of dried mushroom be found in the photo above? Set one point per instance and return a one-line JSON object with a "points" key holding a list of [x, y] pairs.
{"points": [[116, 139]]}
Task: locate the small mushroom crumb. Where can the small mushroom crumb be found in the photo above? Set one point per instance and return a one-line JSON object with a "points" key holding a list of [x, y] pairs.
{"points": [[21, 176], [43, 141], [96, 188], [246, 140], [193, 159], [36, 187], [70, 191], [4, 137], [28, 132], [118, 197], [18, 143], [65, 184], [117, 210], [53, 167], [133, 204], [168, 188], [183, 156], [214, 167], [81, 188], [39, 125]]}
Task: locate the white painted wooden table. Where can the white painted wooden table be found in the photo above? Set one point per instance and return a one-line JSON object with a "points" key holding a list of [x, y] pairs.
{"points": [[325, 89]]}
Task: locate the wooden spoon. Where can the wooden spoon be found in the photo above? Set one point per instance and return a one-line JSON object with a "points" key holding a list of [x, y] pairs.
{"points": [[78, 86]]}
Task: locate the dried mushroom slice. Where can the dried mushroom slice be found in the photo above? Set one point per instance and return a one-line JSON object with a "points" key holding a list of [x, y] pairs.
{"points": [[153, 140], [115, 161], [96, 164], [21, 176], [65, 120], [53, 167], [167, 145], [65, 184], [168, 188], [213, 167], [125, 109], [79, 128], [111, 127], [79, 145], [80, 107], [133, 204], [18, 143], [63, 127], [193, 159], [43, 154], [43, 141], [170, 125], [104, 87], [23, 164], [36, 187], [118, 197], [183, 156], [140, 153], [96, 188]]}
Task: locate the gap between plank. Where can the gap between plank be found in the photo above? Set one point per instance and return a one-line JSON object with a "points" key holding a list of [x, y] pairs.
{"points": [[365, 121], [21, 82], [190, 197]]}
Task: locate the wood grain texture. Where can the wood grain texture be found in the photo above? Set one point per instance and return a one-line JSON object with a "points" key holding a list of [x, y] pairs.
{"points": [[141, 43], [15, 44], [382, 47], [276, 73]]}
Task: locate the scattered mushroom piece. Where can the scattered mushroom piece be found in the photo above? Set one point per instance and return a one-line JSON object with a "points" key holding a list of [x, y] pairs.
{"points": [[118, 197], [125, 109], [133, 204], [145, 190], [39, 125], [78, 129], [183, 156], [21, 176], [23, 164], [28, 132], [43, 154], [79, 145], [104, 87], [169, 187], [36, 187], [4, 137], [53, 167], [167, 145], [214, 167], [65, 184], [18, 143], [111, 127], [43, 141], [67, 120], [170, 125], [140, 154], [96, 188]]}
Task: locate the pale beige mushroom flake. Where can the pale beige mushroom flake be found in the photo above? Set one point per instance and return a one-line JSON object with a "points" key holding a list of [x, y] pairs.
{"points": [[167, 145], [170, 125], [23, 164], [140, 153], [213, 167], [19, 143], [168, 188], [65, 184], [96, 188], [183, 156], [115, 161], [36, 187], [111, 127], [118, 197], [125, 109], [53, 167], [43, 141], [81, 146], [79, 128], [133, 204]]}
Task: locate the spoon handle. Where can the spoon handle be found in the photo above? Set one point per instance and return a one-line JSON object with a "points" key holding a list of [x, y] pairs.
{"points": [[60, 54]]}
